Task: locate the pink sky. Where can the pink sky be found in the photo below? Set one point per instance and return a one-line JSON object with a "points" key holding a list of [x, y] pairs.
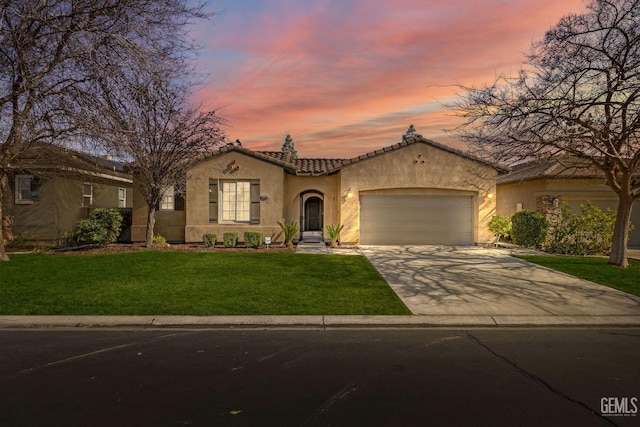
{"points": [[345, 77]]}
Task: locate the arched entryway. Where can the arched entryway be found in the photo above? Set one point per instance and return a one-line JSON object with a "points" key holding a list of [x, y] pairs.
{"points": [[311, 215]]}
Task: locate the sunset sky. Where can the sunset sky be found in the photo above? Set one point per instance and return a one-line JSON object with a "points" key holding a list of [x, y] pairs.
{"points": [[345, 77]]}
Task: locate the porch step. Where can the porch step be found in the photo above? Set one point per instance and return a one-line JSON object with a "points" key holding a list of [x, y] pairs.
{"points": [[311, 236]]}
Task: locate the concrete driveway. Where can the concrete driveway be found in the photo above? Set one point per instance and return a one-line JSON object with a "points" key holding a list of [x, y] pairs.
{"points": [[474, 281]]}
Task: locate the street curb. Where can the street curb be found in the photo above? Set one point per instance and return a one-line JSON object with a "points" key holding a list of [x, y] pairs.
{"points": [[313, 321]]}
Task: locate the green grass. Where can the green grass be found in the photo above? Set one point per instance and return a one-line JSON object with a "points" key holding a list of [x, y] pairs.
{"points": [[594, 269], [194, 283]]}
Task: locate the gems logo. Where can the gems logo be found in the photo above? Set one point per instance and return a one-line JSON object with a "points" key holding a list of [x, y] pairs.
{"points": [[619, 406]]}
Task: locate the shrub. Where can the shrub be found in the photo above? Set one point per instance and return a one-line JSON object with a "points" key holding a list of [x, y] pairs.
{"points": [[230, 239], [209, 240], [528, 228], [111, 220], [253, 239], [101, 227], [88, 230], [588, 233], [159, 240], [501, 225], [334, 233], [290, 229]]}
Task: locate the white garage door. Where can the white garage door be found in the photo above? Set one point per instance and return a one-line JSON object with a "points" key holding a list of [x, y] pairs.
{"points": [[416, 220]]}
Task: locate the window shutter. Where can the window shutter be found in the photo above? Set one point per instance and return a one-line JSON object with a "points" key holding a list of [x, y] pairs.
{"points": [[213, 200], [35, 188], [178, 202], [255, 201]]}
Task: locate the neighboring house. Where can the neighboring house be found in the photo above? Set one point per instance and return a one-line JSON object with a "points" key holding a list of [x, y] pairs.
{"points": [[543, 185], [413, 192], [56, 187]]}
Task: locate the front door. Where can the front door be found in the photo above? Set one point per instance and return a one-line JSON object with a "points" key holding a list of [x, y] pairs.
{"points": [[313, 214]]}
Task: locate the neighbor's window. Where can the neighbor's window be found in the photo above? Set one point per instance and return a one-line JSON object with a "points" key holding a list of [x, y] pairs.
{"points": [[168, 199], [122, 197], [236, 201], [24, 184], [87, 195]]}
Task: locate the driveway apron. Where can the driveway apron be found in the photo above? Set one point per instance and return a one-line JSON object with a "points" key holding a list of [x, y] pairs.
{"points": [[445, 280]]}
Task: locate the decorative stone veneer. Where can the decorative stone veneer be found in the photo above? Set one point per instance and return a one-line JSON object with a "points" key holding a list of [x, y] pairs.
{"points": [[550, 207]]}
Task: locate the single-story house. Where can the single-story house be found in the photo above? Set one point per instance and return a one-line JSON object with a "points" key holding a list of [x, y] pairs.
{"points": [[543, 185], [56, 186], [414, 192]]}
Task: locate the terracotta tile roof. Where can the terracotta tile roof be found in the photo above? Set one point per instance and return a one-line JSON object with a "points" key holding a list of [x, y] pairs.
{"points": [[563, 167], [323, 166], [307, 166]]}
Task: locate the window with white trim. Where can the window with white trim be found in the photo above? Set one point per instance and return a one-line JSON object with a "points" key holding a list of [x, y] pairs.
{"points": [[24, 186], [168, 199], [236, 201], [122, 197], [87, 195]]}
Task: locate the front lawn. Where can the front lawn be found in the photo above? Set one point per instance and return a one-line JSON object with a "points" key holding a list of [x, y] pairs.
{"points": [[194, 283], [594, 269]]}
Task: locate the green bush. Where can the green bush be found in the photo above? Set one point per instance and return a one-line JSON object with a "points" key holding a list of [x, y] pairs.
{"points": [[209, 240], [501, 225], [88, 230], [159, 240], [101, 227], [590, 232], [111, 220], [528, 228], [333, 231], [253, 239], [230, 239]]}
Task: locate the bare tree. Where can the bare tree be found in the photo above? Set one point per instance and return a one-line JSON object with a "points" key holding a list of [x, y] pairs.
{"points": [[147, 120], [53, 52], [577, 94]]}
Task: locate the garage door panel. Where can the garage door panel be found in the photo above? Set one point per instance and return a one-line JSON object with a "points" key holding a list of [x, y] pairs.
{"points": [[397, 220]]}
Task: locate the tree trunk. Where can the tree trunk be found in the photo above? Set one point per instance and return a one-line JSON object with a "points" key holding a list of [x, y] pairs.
{"points": [[3, 252], [621, 233], [151, 222]]}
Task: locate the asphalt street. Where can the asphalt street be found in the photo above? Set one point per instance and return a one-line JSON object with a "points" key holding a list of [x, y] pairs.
{"points": [[368, 377]]}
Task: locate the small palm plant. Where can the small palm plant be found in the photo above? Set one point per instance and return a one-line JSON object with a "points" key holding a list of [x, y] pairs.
{"points": [[290, 229], [334, 234]]}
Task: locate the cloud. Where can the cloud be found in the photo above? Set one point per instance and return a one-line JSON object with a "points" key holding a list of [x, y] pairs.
{"points": [[349, 77]]}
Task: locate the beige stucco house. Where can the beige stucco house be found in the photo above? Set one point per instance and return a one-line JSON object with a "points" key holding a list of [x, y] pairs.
{"points": [[56, 187], [544, 185], [413, 192]]}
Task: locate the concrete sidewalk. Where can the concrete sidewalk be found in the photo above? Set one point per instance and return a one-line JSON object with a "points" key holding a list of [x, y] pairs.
{"points": [[314, 322]]}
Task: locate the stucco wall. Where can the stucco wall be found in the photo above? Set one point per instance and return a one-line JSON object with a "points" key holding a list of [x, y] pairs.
{"points": [[572, 191], [169, 224], [418, 166], [525, 193], [52, 217], [272, 184], [36, 220]]}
